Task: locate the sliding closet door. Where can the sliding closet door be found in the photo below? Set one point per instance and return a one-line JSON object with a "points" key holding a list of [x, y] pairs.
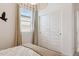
{"points": [[49, 35]]}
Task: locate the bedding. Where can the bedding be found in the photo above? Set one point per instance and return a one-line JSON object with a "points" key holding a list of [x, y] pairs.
{"points": [[43, 51], [18, 51], [29, 50]]}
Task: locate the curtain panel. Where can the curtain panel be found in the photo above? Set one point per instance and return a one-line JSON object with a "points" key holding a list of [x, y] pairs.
{"points": [[35, 33], [18, 37], [18, 34]]}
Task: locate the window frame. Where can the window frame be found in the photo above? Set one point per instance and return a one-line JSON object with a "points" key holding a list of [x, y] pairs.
{"points": [[31, 20]]}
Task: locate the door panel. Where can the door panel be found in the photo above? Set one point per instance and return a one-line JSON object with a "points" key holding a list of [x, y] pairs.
{"points": [[49, 35]]}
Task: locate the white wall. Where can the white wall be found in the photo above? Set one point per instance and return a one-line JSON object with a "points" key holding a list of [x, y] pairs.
{"points": [[7, 29], [77, 31], [68, 29], [67, 25], [27, 37]]}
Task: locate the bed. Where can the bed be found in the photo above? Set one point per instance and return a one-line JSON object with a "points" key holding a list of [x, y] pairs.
{"points": [[29, 50]]}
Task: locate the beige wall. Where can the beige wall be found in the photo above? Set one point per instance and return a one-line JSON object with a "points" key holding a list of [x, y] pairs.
{"points": [[7, 29], [42, 6]]}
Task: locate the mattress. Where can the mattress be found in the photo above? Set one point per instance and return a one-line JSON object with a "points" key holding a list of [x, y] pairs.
{"points": [[18, 51]]}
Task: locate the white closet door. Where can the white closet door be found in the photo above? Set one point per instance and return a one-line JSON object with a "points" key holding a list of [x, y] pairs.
{"points": [[49, 35]]}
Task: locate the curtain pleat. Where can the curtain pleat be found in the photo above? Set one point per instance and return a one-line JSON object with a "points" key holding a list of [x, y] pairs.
{"points": [[28, 6], [18, 37], [35, 33]]}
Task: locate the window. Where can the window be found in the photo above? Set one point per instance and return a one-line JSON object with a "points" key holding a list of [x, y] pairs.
{"points": [[25, 20]]}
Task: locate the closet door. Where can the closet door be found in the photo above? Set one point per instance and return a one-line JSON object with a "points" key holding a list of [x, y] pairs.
{"points": [[49, 35]]}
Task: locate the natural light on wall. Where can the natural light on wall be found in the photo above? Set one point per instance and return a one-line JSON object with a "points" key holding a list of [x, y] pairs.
{"points": [[25, 20], [26, 15]]}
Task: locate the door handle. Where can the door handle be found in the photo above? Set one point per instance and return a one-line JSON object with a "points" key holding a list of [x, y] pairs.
{"points": [[60, 33]]}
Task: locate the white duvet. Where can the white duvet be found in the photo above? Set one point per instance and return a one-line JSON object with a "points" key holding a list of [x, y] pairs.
{"points": [[18, 51]]}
